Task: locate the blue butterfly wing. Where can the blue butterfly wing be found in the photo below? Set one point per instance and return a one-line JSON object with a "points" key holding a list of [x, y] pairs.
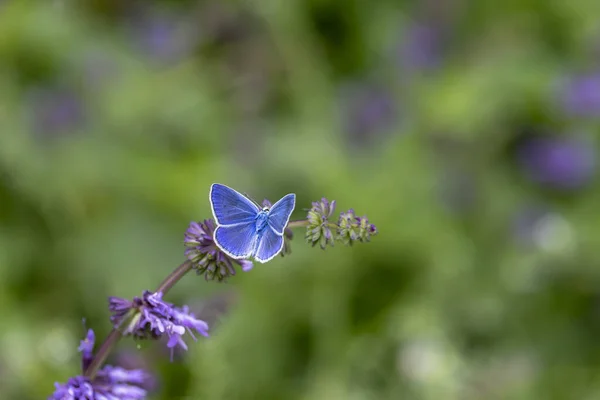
{"points": [[230, 207], [280, 213], [237, 241], [269, 246]]}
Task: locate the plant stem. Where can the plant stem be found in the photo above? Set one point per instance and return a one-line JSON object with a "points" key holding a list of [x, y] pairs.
{"points": [[113, 337], [174, 277], [297, 224], [103, 352]]}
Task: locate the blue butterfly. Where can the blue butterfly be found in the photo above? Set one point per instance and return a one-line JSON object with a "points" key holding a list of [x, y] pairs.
{"points": [[244, 230]]}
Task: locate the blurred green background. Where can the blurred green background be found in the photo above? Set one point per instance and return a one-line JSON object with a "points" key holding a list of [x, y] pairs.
{"points": [[465, 130]]}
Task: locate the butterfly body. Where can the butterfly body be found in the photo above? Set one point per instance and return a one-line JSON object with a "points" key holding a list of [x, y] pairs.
{"points": [[262, 220], [244, 230]]}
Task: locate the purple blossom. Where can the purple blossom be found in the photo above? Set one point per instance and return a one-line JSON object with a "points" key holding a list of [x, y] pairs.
{"points": [[421, 48], [352, 228], [206, 257], [55, 111], [165, 37], [581, 95], [349, 227], [558, 162], [111, 383], [86, 347], [367, 111], [151, 317]]}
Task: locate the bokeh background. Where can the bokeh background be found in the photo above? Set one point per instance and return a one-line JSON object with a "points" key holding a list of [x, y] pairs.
{"points": [[465, 130]]}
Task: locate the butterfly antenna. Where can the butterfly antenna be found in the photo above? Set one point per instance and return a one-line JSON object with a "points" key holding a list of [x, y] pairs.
{"points": [[252, 200]]}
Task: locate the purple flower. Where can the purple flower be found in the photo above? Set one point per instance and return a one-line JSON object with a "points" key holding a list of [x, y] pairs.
{"points": [[55, 111], [86, 347], [151, 317], [206, 257], [76, 388], [558, 162], [581, 95], [111, 383], [367, 111], [421, 48], [165, 37], [352, 228], [319, 226]]}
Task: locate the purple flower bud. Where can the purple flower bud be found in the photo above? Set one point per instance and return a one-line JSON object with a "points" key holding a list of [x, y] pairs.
{"points": [[151, 317], [558, 162], [352, 228], [86, 347], [319, 226], [206, 257]]}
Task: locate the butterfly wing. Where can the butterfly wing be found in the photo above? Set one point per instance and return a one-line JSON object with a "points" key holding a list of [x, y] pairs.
{"points": [[280, 213], [230, 207], [269, 246], [237, 241]]}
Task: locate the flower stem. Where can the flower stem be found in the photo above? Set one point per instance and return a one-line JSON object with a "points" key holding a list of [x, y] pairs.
{"points": [[105, 349], [115, 334], [297, 224], [174, 277]]}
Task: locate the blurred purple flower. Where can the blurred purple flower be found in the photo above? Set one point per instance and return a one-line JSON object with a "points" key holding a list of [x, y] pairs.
{"points": [[581, 95], [111, 383], [55, 111], [421, 48], [166, 37], [367, 111], [151, 317], [206, 257], [558, 162]]}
